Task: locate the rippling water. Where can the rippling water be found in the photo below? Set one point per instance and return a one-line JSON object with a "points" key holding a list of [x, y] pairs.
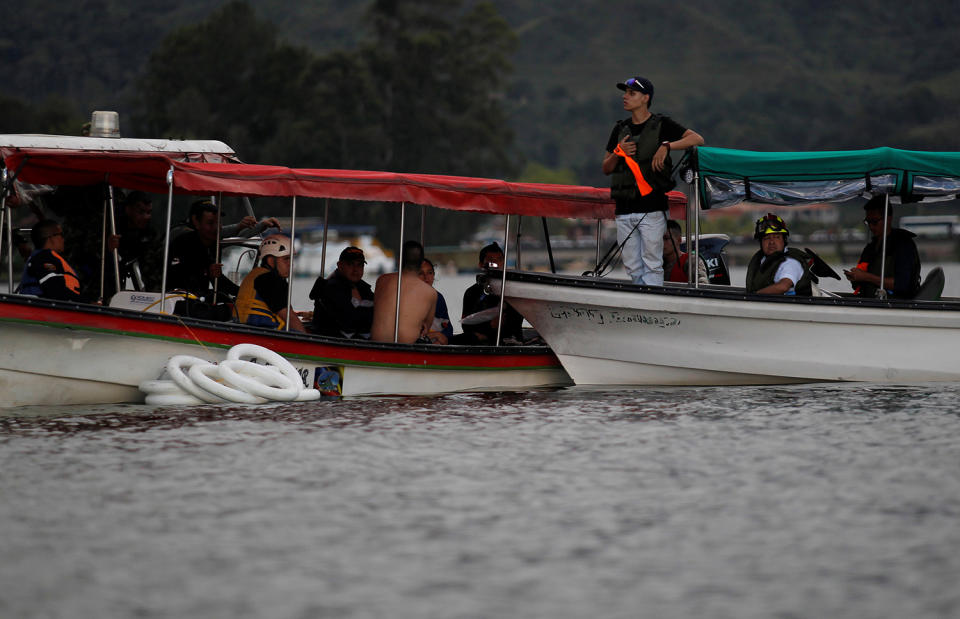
{"points": [[806, 501]]}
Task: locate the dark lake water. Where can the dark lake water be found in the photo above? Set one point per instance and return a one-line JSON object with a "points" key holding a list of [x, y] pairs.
{"points": [[807, 501]]}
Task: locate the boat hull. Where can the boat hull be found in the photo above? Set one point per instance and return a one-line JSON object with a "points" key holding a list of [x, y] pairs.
{"points": [[63, 353], [611, 333]]}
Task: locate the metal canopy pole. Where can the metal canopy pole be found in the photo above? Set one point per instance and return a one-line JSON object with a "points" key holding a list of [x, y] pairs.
{"points": [[113, 232], [882, 289], [323, 250], [546, 239], [103, 252], [166, 242], [693, 217], [519, 226], [216, 247], [9, 232], [597, 263], [3, 220], [423, 225], [396, 320], [503, 281], [293, 230]]}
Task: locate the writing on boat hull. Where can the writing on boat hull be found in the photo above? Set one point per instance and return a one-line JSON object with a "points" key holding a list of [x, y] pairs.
{"points": [[612, 317]]}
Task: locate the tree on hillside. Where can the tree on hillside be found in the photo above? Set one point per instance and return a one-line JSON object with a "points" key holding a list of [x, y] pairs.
{"points": [[53, 116], [440, 75], [422, 94], [227, 78], [435, 76]]}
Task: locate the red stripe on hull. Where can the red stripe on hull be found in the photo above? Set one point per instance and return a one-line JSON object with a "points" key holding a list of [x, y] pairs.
{"points": [[168, 328]]}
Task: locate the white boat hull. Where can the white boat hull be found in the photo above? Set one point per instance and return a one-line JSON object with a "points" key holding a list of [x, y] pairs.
{"points": [[607, 334], [53, 354]]}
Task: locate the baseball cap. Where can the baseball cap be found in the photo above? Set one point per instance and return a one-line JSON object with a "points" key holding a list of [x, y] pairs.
{"points": [[352, 254], [640, 84]]}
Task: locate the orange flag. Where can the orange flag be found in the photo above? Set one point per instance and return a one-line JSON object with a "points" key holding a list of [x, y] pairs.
{"points": [[642, 183]]}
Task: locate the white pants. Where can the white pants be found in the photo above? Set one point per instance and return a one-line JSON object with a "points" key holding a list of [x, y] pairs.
{"points": [[643, 250]]}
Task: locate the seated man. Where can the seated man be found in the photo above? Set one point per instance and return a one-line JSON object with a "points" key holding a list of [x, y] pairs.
{"points": [[775, 268], [674, 260], [476, 300], [262, 300], [418, 301], [901, 276], [343, 303], [192, 256], [46, 273], [136, 241]]}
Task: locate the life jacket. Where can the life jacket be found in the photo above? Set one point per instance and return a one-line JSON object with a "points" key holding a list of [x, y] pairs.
{"points": [[760, 276], [623, 184], [679, 271], [30, 284], [251, 309]]}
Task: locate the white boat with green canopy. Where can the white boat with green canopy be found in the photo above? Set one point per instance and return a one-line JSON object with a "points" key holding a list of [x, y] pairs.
{"points": [[611, 332]]}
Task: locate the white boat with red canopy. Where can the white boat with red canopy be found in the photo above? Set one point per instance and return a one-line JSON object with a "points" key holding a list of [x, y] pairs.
{"points": [[69, 353]]}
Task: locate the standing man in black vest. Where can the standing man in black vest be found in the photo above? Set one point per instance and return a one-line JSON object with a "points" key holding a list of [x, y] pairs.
{"points": [[638, 157]]}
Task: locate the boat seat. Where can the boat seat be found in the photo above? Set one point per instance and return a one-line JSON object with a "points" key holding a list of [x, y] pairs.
{"points": [[932, 286]]}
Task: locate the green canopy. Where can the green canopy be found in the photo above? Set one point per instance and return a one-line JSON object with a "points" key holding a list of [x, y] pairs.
{"points": [[730, 176]]}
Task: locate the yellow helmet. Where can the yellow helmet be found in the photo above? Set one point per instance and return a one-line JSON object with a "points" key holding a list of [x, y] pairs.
{"points": [[770, 224]]}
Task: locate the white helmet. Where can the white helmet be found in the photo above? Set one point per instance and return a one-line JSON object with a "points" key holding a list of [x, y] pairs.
{"points": [[275, 245]]}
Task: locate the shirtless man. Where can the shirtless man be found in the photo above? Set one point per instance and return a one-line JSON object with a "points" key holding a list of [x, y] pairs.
{"points": [[418, 301]]}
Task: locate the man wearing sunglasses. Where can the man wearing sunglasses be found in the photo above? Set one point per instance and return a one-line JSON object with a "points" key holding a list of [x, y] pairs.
{"points": [[638, 162], [46, 273], [776, 268], [901, 273]]}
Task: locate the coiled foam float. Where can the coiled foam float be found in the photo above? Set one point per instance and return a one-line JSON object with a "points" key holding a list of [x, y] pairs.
{"points": [[197, 381]]}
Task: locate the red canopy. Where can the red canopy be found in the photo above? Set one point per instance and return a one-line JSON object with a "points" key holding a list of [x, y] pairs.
{"points": [[147, 172]]}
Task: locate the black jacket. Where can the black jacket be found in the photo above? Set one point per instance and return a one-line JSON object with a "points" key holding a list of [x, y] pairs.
{"points": [[335, 312]]}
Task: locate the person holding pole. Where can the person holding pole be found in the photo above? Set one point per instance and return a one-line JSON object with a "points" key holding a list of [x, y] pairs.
{"points": [[192, 265]]}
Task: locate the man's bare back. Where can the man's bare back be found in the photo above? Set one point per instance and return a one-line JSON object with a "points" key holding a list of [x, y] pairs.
{"points": [[418, 302]]}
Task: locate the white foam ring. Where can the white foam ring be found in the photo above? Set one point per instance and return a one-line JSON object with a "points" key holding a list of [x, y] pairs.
{"points": [[197, 381]]}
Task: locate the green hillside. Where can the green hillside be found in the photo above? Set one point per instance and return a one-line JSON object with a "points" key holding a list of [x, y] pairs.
{"points": [[787, 75]]}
